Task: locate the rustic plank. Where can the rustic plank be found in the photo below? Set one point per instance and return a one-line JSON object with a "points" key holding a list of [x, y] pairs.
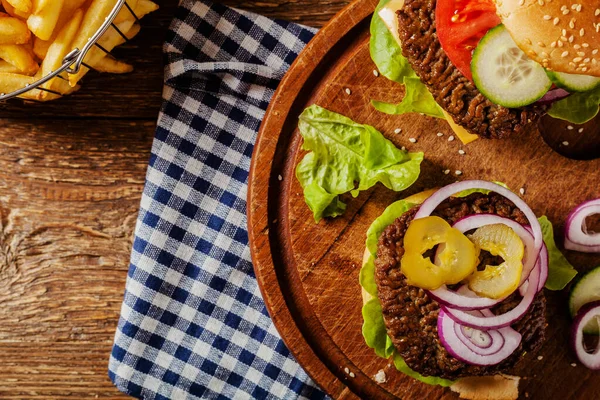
{"points": [[69, 198]]}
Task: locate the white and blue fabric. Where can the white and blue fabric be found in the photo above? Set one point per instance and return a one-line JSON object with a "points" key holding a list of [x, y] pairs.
{"points": [[193, 323]]}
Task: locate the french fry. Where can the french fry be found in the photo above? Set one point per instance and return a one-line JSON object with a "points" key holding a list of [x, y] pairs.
{"points": [[13, 31], [13, 12], [60, 47], [10, 82], [108, 41], [19, 56], [125, 14], [112, 66], [24, 6], [44, 18], [40, 47], [5, 66]]}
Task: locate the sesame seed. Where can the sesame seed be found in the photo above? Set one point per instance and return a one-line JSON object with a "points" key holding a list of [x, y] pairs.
{"points": [[403, 148], [522, 191], [547, 17], [573, 365], [461, 152], [580, 130], [597, 12], [346, 370], [280, 177], [570, 127], [446, 172], [571, 24], [376, 73], [556, 21], [578, 8], [564, 54], [576, 47], [571, 38], [560, 44], [348, 91], [565, 12], [412, 140], [595, 51], [440, 134], [541, 2], [584, 69], [563, 38], [541, 44], [553, 44], [380, 376], [564, 32], [574, 6], [458, 172], [540, 358], [521, 2], [397, 130], [451, 138], [582, 32], [545, 55], [577, 59], [351, 374], [565, 143]]}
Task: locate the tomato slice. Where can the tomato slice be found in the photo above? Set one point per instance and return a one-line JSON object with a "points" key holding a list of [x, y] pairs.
{"points": [[460, 25]]}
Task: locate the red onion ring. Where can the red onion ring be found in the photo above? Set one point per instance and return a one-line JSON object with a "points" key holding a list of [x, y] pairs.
{"points": [[463, 299], [503, 342], [553, 95], [478, 220], [502, 320], [584, 315], [438, 197], [576, 236]]}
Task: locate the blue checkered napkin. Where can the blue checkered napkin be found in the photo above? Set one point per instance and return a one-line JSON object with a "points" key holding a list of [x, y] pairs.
{"points": [[193, 323]]}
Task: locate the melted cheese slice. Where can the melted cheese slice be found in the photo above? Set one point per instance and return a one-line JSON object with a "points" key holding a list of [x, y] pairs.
{"points": [[390, 19]]}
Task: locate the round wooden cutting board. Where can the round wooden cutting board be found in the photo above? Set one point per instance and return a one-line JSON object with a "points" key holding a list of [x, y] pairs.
{"points": [[308, 272]]}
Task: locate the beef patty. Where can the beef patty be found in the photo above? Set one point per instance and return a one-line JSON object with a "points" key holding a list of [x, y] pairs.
{"points": [[449, 87], [410, 315]]}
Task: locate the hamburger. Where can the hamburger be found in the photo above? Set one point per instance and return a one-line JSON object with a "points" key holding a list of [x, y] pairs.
{"points": [[453, 287], [493, 67]]}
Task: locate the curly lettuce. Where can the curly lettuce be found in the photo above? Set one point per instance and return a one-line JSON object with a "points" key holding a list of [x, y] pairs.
{"points": [[387, 56], [578, 108], [345, 156]]}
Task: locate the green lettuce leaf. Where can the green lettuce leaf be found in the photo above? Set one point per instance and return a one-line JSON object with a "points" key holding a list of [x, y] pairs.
{"points": [[578, 108], [385, 51], [373, 329], [417, 99], [467, 192], [343, 154], [560, 271], [387, 56]]}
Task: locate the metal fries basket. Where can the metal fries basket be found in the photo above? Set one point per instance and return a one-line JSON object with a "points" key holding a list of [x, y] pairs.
{"points": [[73, 61]]}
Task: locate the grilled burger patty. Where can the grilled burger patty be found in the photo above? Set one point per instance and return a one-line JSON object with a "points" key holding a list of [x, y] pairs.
{"points": [[411, 316], [455, 93]]}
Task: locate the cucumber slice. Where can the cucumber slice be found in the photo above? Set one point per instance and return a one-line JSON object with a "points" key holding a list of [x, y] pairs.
{"points": [[504, 74], [573, 82], [586, 290]]}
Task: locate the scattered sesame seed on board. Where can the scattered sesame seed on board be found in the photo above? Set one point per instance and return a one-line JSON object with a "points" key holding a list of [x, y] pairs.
{"points": [[565, 143], [522, 191], [446, 172], [348, 91], [412, 140], [573, 365], [403, 148], [397, 130], [380, 376], [461, 152], [458, 172], [376, 73], [440, 134], [540, 358], [569, 127], [580, 130], [346, 370], [280, 177], [451, 138], [351, 374]]}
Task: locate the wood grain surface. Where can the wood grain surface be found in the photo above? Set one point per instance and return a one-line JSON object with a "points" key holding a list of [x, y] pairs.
{"points": [[71, 176], [308, 272]]}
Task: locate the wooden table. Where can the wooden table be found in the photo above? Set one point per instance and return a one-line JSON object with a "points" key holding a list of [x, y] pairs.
{"points": [[71, 176]]}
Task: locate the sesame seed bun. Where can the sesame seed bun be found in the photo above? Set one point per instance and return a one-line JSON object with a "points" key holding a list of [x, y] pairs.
{"points": [[562, 35]]}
